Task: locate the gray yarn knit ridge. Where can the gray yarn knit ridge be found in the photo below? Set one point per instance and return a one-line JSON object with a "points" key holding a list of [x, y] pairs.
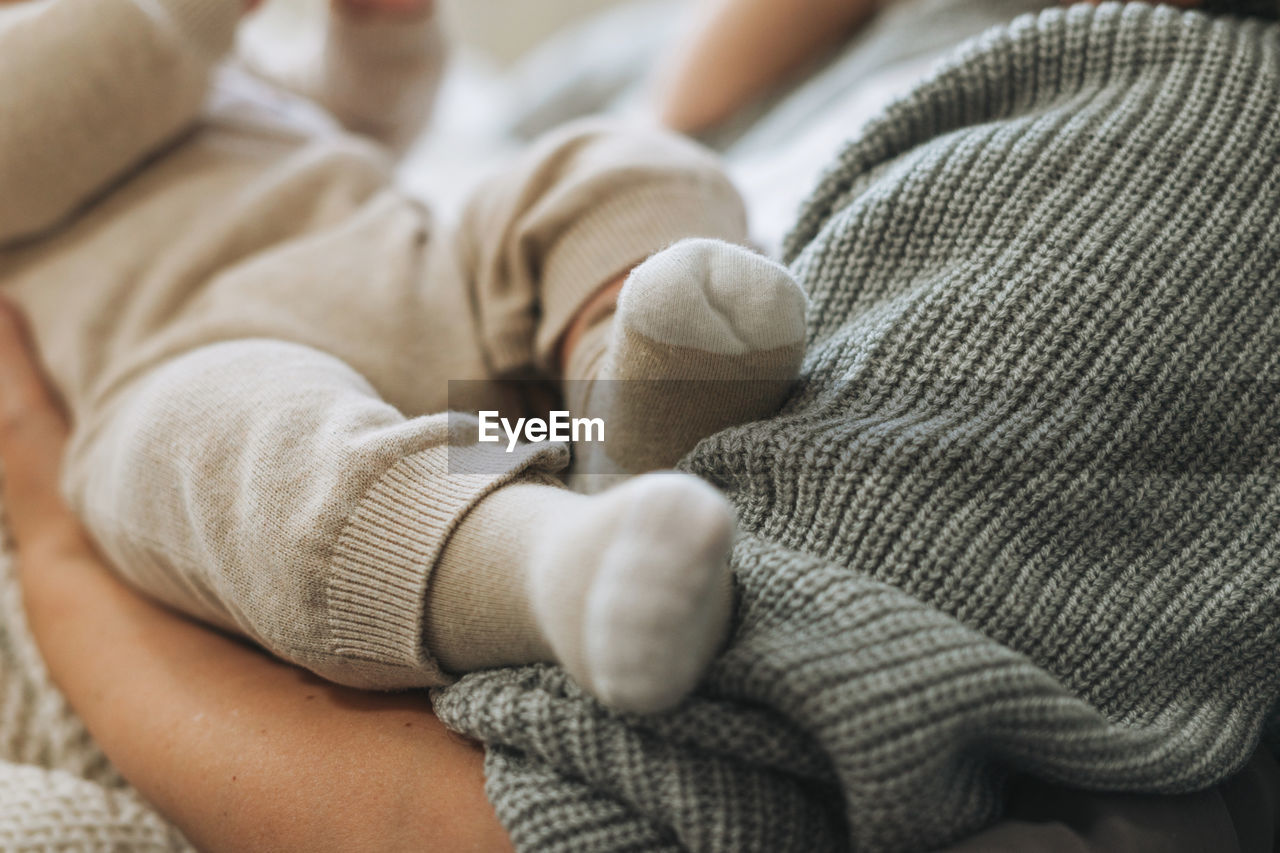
{"points": [[1023, 513]]}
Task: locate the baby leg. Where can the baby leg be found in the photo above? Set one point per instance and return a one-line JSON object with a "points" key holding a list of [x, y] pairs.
{"points": [[264, 487]]}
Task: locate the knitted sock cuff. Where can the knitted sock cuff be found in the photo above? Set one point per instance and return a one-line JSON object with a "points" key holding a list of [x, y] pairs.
{"points": [[478, 612], [385, 557]]}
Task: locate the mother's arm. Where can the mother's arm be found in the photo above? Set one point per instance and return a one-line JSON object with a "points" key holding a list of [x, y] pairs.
{"points": [[740, 50], [239, 751]]}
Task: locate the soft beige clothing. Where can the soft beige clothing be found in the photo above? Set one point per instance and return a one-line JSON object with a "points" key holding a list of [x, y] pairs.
{"points": [[254, 328]]}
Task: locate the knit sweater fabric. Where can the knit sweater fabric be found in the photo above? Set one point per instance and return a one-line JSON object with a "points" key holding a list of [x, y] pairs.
{"points": [[57, 789], [1021, 515]]}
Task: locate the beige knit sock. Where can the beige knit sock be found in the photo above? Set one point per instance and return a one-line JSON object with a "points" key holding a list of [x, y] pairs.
{"points": [[706, 335], [629, 590]]}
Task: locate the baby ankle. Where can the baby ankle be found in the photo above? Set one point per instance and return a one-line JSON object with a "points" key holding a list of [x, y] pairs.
{"points": [[477, 611]]}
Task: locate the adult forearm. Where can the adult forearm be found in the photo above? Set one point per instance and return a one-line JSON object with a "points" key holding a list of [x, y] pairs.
{"points": [[739, 50], [240, 751]]}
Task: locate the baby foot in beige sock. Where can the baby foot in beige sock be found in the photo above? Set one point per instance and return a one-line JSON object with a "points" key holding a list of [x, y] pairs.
{"points": [[706, 335], [629, 590]]}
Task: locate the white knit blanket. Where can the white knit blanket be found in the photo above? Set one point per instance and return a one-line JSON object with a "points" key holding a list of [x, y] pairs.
{"points": [[57, 790]]}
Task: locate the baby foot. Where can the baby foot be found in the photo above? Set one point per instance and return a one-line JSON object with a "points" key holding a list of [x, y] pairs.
{"points": [[706, 335], [633, 592]]}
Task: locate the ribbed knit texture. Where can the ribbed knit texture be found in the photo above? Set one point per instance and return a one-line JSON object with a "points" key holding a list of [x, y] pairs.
{"points": [[1023, 514], [57, 789]]}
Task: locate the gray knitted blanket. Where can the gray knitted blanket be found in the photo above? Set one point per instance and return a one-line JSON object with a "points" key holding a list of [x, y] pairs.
{"points": [[1022, 516]]}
